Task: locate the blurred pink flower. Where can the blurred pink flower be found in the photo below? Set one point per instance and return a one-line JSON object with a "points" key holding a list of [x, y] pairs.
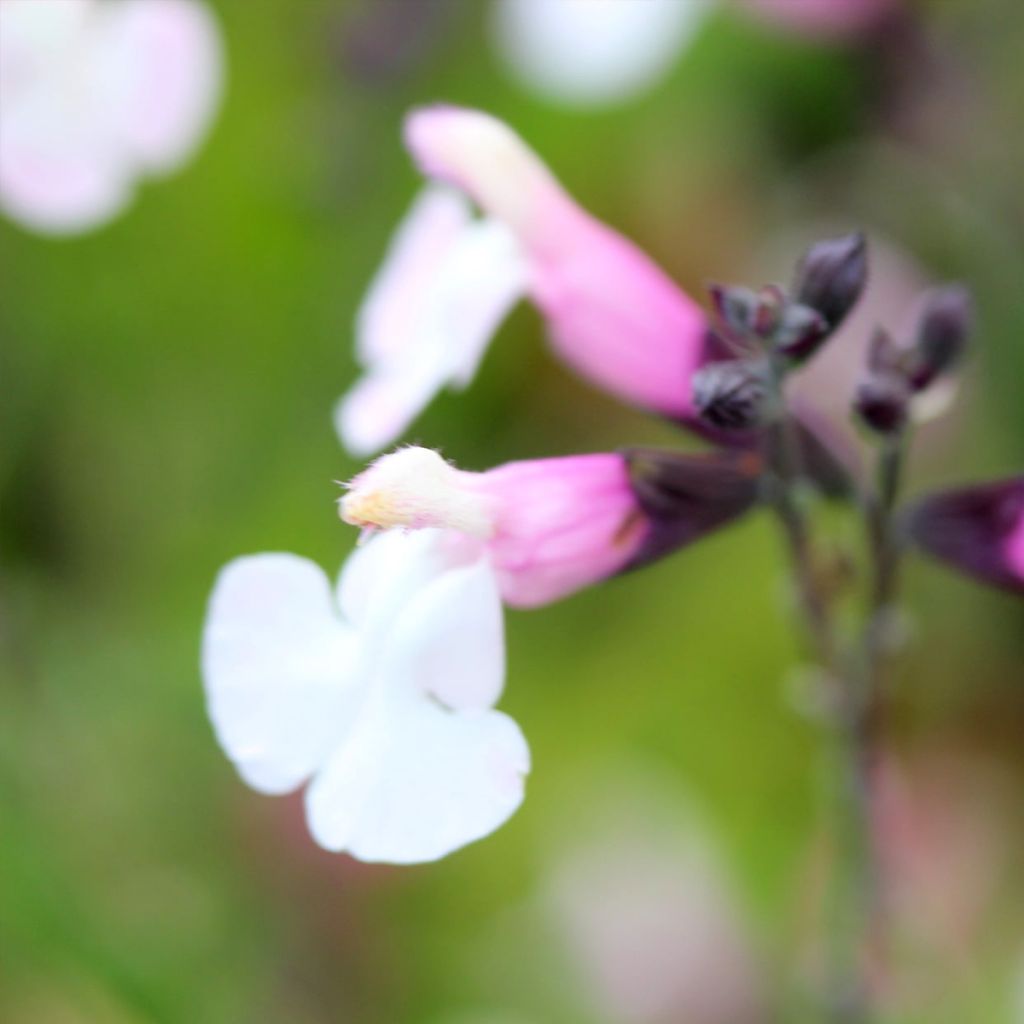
{"points": [[449, 279], [821, 18], [552, 526], [652, 923], [95, 94], [380, 694]]}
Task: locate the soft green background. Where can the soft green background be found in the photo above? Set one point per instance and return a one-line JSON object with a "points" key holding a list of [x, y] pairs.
{"points": [[166, 392]]}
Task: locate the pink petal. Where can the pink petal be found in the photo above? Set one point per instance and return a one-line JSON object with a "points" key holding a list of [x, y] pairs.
{"points": [[563, 524], [614, 316]]}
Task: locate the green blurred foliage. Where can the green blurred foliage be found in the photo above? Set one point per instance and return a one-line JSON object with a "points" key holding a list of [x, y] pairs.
{"points": [[167, 387]]}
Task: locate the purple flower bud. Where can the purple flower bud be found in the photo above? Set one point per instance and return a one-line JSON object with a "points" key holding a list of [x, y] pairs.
{"points": [[800, 331], [736, 307], [686, 496], [832, 276], [942, 332], [882, 401], [978, 530], [732, 395]]}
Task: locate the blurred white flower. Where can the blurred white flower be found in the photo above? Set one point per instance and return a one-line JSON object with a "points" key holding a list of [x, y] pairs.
{"points": [[381, 693], [587, 53], [95, 94], [592, 52]]}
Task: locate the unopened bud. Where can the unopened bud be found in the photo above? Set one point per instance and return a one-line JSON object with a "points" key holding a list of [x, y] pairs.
{"points": [[942, 333], [736, 307], [732, 395], [882, 401], [832, 276], [800, 331]]}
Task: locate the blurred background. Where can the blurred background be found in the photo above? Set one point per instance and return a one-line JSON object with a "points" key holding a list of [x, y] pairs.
{"points": [[167, 374]]}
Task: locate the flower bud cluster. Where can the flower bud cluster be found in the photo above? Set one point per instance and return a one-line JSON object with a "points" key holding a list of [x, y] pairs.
{"points": [[772, 326], [894, 374]]}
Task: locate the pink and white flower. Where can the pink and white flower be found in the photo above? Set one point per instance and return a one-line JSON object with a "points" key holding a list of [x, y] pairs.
{"points": [[449, 279], [550, 527], [380, 694], [94, 95]]}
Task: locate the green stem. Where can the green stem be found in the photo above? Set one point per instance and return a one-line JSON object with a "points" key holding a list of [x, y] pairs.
{"points": [[848, 990]]}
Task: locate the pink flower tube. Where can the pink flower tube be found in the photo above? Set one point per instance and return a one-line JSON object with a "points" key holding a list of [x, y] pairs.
{"points": [[553, 526], [450, 278], [978, 530]]}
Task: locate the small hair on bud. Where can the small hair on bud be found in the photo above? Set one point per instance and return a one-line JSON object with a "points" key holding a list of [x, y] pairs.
{"points": [[732, 395], [942, 330], [832, 275]]}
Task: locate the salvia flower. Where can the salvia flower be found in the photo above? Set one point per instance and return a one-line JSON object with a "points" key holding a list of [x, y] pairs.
{"points": [[450, 277], [978, 530], [552, 526], [380, 694], [95, 94]]}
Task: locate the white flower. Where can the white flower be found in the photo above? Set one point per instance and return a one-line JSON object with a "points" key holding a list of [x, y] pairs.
{"points": [[95, 94], [591, 52], [381, 693]]}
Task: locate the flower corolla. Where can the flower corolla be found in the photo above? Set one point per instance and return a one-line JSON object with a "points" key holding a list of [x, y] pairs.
{"points": [[380, 694]]}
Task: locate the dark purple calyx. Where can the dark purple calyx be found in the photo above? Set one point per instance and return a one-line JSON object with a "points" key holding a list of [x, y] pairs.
{"points": [[684, 497]]}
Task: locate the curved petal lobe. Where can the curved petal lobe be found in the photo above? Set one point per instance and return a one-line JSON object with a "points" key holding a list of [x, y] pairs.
{"points": [[417, 781], [279, 669]]}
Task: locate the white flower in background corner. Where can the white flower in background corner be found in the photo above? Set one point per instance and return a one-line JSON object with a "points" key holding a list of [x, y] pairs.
{"points": [[381, 693], [592, 52], [95, 94]]}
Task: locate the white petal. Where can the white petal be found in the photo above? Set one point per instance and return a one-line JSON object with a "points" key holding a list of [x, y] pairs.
{"points": [[429, 230], [382, 576], [58, 176], [450, 639], [589, 52], [279, 668], [416, 781], [446, 284], [160, 66], [61, 169], [383, 403]]}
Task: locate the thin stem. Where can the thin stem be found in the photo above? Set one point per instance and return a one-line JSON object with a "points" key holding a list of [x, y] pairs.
{"points": [[783, 487], [875, 641], [849, 998]]}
